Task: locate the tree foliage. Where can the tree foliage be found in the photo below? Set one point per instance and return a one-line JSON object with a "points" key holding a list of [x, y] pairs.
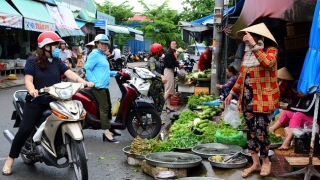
{"points": [[162, 24], [195, 9], [121, 12]]}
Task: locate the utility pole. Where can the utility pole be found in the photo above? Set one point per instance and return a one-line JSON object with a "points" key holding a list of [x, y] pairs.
{"points": [[217, 44]]}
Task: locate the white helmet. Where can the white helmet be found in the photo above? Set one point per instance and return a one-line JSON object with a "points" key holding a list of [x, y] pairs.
{"points": [[101, 38]]}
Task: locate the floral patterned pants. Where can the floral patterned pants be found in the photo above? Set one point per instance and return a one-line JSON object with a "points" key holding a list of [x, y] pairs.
{"points": [[257, 123]]}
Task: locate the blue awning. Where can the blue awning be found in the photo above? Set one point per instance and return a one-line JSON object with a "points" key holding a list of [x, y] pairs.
{"points": [[80, 23], [227, 12], [310, 77]]}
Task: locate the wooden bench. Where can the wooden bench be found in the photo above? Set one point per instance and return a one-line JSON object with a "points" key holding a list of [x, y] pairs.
{"points": [[291, 162]]}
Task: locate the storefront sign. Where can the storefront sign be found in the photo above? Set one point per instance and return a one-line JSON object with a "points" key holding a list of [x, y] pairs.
{"points": [[138, 37], [11, 20], [101, 16], [34, 25], [99, 23]]}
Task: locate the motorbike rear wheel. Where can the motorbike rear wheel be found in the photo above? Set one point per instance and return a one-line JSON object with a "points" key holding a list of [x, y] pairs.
{"points": [[79, 160], [148, 127]]}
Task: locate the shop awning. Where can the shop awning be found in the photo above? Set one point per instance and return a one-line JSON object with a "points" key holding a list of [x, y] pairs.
{"points": [[86, 15], [80, 23], [287, 10], [117, 29], [9, 16], [36, 15], [135, 31]]}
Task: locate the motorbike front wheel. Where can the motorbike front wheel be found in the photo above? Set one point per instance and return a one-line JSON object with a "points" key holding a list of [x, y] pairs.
{"points": [[79, 160], [148, 126]]}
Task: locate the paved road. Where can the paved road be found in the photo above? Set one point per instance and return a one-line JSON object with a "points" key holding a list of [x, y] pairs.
{"points": [[114, 167]]}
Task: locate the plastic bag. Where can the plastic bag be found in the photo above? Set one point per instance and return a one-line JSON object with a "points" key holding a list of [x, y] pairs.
{"points": [[237, 139], [231, 114], [115, 108], [37, 136]]}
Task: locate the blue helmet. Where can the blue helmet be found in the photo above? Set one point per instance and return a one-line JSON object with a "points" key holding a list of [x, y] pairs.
{"points": [[115, 46], [101, 38]]}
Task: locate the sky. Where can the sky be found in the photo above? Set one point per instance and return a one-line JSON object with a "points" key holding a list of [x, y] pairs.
{"points": [[173, 4]]}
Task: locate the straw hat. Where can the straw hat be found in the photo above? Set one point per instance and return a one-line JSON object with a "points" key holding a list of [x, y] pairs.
{"points": [[180, 49], [284, 74], [90, 43], [260, 29]]}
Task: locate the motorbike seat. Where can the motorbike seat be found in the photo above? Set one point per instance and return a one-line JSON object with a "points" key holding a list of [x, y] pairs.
{"points": [[21, 96], [89, 93]]}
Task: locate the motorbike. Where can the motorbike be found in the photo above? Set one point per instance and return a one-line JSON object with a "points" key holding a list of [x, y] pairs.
{"points": [[135, 114], [119, 63], [58, 137]]}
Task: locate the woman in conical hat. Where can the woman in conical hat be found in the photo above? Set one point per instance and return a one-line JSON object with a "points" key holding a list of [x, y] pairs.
{"points": [[285, 81], [258, 92]]}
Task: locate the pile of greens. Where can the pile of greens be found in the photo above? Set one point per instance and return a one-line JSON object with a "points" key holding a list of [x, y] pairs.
{"points": [[198, 100], [143, 146], [274, 139]]}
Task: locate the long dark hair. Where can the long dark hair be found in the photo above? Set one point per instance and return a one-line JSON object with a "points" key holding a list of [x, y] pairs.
{"points": [[41, 58], [171, 51]]}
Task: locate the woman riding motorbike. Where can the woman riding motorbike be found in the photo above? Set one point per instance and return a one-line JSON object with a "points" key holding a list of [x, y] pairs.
{"points": [[97, 71], [43, 69]]}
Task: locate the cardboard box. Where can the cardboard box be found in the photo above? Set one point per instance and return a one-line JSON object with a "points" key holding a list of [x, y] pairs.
{"points": [[296, 42], [197, 90], [298, 28], [185, 88]]}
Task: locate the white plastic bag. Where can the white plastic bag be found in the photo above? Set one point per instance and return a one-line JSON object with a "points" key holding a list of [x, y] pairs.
{"points": [[231, 114], [38, 134]]}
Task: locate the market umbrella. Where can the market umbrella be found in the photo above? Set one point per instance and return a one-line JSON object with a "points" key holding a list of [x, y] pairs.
{"points": [[310, 76]]}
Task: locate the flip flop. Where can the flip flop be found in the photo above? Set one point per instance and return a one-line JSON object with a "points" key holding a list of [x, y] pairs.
{"points": [[248, 171], [265, 170], [6, 168]]}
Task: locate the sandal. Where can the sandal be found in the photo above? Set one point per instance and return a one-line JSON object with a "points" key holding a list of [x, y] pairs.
{"points": [[265, 170], [6, 169], [248, 171]]}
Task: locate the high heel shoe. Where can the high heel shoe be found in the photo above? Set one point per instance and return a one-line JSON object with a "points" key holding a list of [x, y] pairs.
{"points": [[114, 132], [105, 138]]}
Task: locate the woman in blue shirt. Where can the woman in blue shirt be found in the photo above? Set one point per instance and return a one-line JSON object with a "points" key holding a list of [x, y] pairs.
{"points": [[98, 71], [41, 70]]}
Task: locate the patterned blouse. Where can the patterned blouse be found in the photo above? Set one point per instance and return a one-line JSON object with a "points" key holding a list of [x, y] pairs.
{"points": [[232, 80], [155, 67]]}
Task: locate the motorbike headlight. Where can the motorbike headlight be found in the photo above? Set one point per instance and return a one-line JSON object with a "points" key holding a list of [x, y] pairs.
{"points": [[64, 93]]}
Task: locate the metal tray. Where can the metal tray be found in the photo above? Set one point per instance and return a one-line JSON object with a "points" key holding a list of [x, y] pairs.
{"points": [[237, 162], [199, 178], [246, 153], [211, 149], [182, 149], [173, 160], [273, 146], [126, 151]]}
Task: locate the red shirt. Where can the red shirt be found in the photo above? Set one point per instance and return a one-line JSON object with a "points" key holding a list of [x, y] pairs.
{"points": [[203, 63]]}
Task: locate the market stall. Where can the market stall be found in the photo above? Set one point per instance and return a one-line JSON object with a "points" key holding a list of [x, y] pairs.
{"points": [[203, 131]]}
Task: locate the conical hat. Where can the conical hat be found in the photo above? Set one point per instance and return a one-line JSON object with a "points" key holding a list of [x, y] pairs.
{"points": [[284, 74], [260, 29], [180, 49], [90, 43]]}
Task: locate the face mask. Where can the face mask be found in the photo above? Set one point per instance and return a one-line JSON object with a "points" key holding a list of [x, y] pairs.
{"points": [[56, 53]]}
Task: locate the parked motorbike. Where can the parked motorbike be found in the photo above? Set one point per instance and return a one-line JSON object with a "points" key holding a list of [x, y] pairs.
{"points": [[119, 63], [60, 134], [135, 114]]}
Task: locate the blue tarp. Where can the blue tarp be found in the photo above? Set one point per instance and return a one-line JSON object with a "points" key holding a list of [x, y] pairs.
{"points": [[310, 76], [227, 12]]}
